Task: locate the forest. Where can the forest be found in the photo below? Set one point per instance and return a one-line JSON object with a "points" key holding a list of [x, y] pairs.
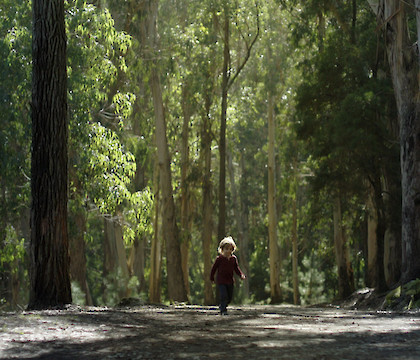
{"points": [[290, 125]]}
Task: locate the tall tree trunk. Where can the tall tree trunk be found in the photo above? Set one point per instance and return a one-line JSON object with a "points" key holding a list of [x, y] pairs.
{"points": [[237, 209], [136, 262], [275, 290], [115, 258], [207, 228], [295, 251], [78, 253], [244, 251], [372, 245], [77, 231], [221, 230], [404, 60], [392, 236], [342, 253], [185, 211], [156, 251], [50, 261], [227, 81], [176, 285]]}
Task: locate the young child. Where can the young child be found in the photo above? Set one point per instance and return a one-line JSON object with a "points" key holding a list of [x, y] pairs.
{"points": [[225, 264]]}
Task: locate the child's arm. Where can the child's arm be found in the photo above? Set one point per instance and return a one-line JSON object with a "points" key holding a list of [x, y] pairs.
{"points": [[238, 270]]}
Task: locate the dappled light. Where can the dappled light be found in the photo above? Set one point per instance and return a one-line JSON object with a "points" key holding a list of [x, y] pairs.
{"points": [[198, 332]]}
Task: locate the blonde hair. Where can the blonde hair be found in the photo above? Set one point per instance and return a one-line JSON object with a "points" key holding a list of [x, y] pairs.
{"points": [[226, 241]]}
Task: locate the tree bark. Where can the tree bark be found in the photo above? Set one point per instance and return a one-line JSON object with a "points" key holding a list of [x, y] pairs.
{"points": [[295, 251], [403, 58], [244, 250], [221, 230], [50, 261], [185, 193], [342, 254], [207, 229], [275, 290], [156, 250], [115, 258], [77, 253], [176, 287], [237, 210], [136, 261], [372, 246]]}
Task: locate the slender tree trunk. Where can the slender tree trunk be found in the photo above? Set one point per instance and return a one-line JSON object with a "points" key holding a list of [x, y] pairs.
{"points": [[77, 253], [185, 211], [77, 231], [136, 262], [342, 254], [295, 251], [115, 259], [244, 251], [176, 285], [275, 290], [156, 251], [372, 245], [237, 209], [50, 261], [207, 228], [404, 60], [221, 230], [392, 236]]}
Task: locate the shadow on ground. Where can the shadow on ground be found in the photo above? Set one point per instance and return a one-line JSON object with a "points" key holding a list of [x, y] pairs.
{"points": [[196, 332]]}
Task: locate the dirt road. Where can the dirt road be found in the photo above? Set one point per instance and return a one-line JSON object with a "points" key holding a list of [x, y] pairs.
{"points": [[197, 332]]}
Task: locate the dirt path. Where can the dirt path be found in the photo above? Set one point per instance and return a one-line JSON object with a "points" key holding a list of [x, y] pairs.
{"points": [[197, 332]]}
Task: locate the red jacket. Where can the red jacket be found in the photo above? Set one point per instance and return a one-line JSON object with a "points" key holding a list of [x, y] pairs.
{"points": [[225, 268]]}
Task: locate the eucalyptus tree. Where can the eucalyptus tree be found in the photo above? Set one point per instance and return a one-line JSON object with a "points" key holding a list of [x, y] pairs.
{"points": [[343, 121], [400, 23], [245, 19], [101, 166]]}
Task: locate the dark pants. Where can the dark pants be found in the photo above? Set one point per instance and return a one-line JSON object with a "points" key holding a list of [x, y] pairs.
{"points": [[226, 293]]}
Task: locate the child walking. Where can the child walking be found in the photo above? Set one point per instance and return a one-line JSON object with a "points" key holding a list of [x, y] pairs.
{"points": [[225, 264]]}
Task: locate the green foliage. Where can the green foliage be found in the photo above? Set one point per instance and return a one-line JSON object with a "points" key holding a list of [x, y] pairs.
{"points": [[12, 250], [139, 215], [110, 169]]}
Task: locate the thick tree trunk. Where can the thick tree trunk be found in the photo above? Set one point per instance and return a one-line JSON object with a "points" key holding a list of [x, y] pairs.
{"points": [[275, 290], [403, 58], [342, 254], [49, 250]]}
